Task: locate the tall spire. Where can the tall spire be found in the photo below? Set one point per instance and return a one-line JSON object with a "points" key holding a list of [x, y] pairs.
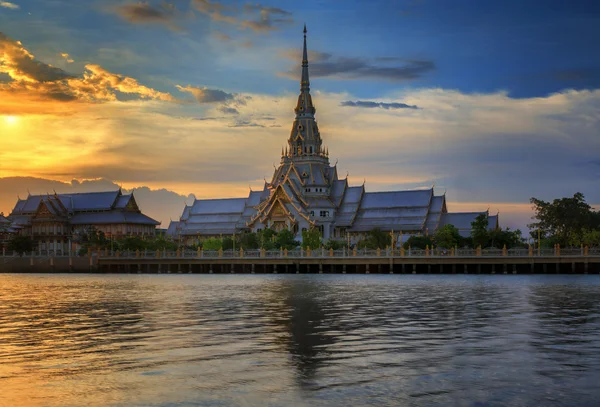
{"points": [[304, 82], [305, 140]]}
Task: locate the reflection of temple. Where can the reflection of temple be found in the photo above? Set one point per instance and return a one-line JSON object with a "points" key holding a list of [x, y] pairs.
{"points": [[51, 220], [306, 192]]}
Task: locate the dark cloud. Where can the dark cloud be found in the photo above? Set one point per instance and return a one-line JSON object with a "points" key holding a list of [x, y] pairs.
{"points": [[144, 13], [20, 64], [266, 18], [324, 64], [246, 123], [228, 110], [382, 105], [206, 95]]}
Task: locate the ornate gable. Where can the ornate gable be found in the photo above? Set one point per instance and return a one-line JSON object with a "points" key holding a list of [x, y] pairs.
{"points": [[43, 211], [132, 205]]}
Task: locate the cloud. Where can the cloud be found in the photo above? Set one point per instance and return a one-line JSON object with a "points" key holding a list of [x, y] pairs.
{"points": [[206, 95], [228, 110], [265, 18], [223, 36], [33, 81], [143, 13], [382, 105], [67, 57], [7, 4], [324, 64], [246, 123]]}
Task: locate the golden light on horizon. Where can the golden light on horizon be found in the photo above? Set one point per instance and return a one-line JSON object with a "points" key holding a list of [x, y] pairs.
{"points": [[11, 120]]}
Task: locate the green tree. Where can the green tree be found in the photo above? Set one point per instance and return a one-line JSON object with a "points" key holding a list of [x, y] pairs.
{"points": [[21, 244], [212, 243], [267, 238], [510, 238], [376, 239], [159, 243], [132, 243], [479, 230], [248, 241], [335, 244], [285, 240], [227, 243], [418, 242], [311, 238], [564, 218], [447, 237], [590, 238]]}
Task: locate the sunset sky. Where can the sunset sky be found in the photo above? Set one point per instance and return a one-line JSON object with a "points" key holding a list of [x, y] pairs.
{"points": [[492, 101]]}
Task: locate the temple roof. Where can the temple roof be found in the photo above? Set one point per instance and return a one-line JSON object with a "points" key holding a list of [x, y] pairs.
{"points": [[114, 217]]}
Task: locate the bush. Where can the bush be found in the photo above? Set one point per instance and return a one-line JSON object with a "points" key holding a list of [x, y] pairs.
{"points": [[335, 244], [212, 243], [311, 238], [418, 242], [285, 240], [21, 244]]}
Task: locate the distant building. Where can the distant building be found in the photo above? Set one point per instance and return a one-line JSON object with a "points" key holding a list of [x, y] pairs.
{"points": [[6, 230], [306, 192], [52, 220]]}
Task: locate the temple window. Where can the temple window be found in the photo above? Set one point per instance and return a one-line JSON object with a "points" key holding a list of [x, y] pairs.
{"points": [[324, 214]]}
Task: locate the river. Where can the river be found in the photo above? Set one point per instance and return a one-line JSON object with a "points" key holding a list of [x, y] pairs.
{"points": [[299, 340]]}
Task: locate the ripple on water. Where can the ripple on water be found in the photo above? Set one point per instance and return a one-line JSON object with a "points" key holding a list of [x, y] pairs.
{"points": [[298, 340]]}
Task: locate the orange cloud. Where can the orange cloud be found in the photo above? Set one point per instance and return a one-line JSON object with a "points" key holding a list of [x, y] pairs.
{"points": [[42, 84]]}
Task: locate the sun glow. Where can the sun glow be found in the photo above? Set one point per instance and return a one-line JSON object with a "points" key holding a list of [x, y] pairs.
{"points": [[11, 119]]}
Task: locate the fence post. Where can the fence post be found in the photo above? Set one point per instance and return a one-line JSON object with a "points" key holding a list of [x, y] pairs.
{"points": [[157, 254], [118, 254], [308, 252], [586, 251], [504, 251], [558, 249], [478, 252], [285, 252], [426, 250], [220, 252], [378, 252], [137, 253], [402, 252], [530, 251], [331, 252], [354, 252], [241, 253]]}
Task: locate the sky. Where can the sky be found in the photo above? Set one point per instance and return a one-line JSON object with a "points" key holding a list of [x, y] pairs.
{"points": [[492, 102]]}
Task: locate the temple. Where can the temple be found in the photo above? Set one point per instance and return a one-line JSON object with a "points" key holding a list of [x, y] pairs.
{"points": [[52, 220], [306, 192]]}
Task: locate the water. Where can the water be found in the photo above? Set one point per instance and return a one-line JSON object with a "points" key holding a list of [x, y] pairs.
{"points": [[203, 340]]}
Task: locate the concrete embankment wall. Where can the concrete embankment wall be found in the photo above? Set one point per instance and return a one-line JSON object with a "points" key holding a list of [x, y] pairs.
{"points": [[46, 265], [364, 265]]}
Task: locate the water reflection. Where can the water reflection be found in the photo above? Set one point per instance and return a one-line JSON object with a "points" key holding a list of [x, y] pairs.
{"points": [[298, 340]]}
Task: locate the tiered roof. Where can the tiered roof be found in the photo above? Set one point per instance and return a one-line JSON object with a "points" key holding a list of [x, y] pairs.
{"points": [[81, 209], [305, 182]]}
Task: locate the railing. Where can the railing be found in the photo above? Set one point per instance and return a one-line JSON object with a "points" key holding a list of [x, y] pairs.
{"points": [[316, 253]]}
